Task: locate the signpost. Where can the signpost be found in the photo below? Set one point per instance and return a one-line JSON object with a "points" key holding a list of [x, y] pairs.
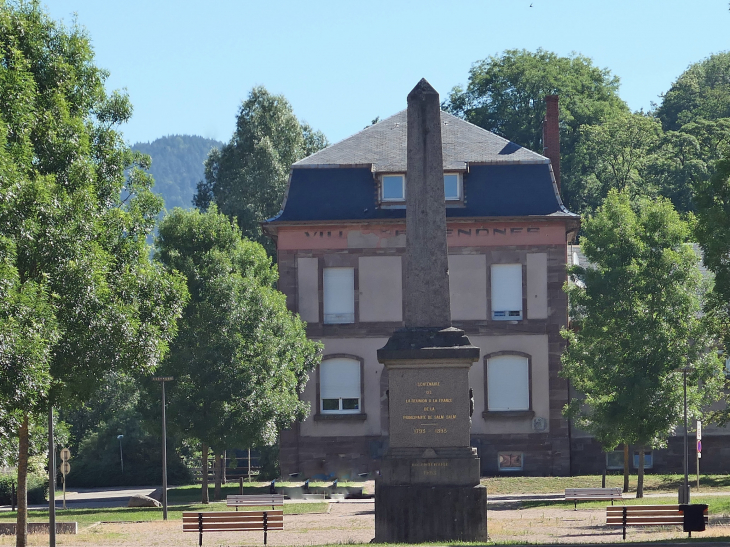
{"points": [[699, 451], [65, 470]]}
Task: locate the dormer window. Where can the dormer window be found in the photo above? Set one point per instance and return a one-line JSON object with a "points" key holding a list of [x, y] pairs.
{"points": [[393, 188], [452, 186]]}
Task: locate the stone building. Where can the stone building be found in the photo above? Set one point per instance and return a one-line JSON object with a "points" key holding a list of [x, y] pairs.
{"points": [[340, 241]]}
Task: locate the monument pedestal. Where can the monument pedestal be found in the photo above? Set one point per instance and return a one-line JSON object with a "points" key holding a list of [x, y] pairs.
{"points": [[428, 488], [420, 513]]}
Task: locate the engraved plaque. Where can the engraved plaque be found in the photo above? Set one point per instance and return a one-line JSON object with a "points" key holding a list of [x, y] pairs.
{"points": [[429, 407]]}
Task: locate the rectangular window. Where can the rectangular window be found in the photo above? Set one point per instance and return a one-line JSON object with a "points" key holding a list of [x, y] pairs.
{"points": [[615, 459], [648, 460], [510, 461], [508, 383], [506, 292], [339, 386], [393, 188], [339, 295], [452, 186]]}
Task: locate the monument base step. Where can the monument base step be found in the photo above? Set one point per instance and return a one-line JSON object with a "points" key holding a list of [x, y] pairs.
{"points": [[433, 471], [419, 513]]}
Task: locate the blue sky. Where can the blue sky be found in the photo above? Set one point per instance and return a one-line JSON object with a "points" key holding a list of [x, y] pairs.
{"points": [[187, 65]]}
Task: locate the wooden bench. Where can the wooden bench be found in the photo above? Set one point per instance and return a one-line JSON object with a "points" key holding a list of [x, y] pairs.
{"points": [[587, 494], [255, 500], [230, 521], [646, 515]]}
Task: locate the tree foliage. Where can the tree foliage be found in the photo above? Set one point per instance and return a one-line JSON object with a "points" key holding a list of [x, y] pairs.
{"points": [[701, 92], [79, 293], [636, 323], [713, 235], [247, 177], [615, 154], [241, 358], [506, 95]]}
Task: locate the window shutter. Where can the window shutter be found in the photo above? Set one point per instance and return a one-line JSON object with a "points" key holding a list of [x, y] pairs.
{"points": [[507, 291], [508, 383], [339, 295], [339, 378]]}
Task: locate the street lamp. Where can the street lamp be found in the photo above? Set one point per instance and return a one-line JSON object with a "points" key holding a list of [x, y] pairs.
{"points": [[121, 456], [164, 379], [684, 490]]}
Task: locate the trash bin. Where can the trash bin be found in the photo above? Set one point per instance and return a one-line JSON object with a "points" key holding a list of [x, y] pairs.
{"points": [[694, 517]]}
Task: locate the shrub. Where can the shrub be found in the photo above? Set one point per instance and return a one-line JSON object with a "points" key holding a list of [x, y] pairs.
{"points": [[37, 488]]}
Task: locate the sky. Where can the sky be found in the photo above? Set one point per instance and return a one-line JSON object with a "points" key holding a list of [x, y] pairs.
{"points": [[188, 65]]}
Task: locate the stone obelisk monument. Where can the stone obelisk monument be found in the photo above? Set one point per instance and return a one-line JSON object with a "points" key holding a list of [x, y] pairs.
{"points": [[428, 489]]}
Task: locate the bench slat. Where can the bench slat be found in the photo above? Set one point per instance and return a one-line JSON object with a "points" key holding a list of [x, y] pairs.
{"points": [[256, 496], [576, 491], [222, 520], [645, 521], [234, 514], [619, 514], [640, 508], [253, 527], [576, 494]]}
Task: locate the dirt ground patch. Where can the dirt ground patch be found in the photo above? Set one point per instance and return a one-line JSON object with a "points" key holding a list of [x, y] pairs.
{"points": [[354, 522]]}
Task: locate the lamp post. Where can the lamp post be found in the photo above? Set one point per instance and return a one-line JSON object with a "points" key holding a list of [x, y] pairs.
{"points": [[164, 379], [121, 455], [684, 491]]}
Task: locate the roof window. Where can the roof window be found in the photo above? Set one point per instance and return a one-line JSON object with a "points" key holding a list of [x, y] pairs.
{"points": [[393, 188]]}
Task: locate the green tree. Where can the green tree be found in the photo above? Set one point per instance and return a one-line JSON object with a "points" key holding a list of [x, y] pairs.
{"points": [[247, 177], [636, 323], [615, 155], [701, 92], [506, 95], [241, 358], [80, 295], [712, 231]]}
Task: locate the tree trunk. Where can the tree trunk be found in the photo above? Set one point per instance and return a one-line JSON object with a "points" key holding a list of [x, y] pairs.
{"points": [[21, 530], [204, 471], [640, 481], [218, 476], [626, 467]]}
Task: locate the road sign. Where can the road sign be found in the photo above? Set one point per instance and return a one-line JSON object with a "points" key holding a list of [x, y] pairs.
{"points": [[65, 468], [65, 454], [699, 430]]}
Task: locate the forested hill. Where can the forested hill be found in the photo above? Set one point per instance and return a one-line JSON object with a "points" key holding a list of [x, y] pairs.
{"points": [[177, 166]]}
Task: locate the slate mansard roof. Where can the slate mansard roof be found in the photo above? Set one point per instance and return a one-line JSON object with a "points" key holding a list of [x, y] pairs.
{"points": [[500, 178]]}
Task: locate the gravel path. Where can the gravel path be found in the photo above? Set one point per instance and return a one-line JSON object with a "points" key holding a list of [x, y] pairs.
{"points": [[354, 522]]}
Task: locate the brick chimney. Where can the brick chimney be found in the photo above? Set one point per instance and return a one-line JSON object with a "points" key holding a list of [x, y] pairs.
{"points": [[551, 136]]}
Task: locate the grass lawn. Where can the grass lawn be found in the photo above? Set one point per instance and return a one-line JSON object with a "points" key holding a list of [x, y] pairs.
{"points": [[652, 483], [86, 517], [717, 505]]}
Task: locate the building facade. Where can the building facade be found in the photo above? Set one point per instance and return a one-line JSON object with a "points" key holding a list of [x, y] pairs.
{"points": [[340, 244]]}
